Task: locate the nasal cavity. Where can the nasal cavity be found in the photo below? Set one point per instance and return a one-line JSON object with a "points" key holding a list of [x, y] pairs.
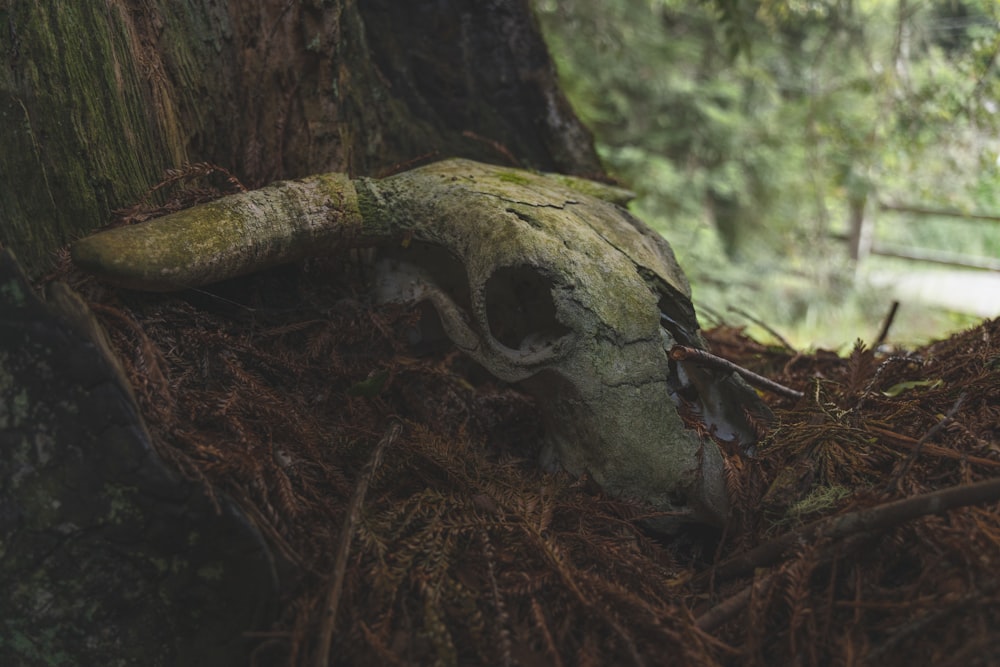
{"points": [[520, 309]]}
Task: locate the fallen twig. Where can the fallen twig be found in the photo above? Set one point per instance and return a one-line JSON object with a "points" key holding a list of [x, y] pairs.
{"points": [[931, 449], [875, 518], [344, 544], [703, 358], [915, 451], [734, 604], [729, 607]]}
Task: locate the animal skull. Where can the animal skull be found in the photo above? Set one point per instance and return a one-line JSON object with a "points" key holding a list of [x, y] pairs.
{"points": [[543, 285]]}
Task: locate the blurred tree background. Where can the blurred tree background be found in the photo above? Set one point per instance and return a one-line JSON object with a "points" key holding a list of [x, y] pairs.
{"points": [[754, 131]]}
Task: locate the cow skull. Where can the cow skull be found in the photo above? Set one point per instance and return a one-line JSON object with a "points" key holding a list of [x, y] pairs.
{"points": [[544, 285]]}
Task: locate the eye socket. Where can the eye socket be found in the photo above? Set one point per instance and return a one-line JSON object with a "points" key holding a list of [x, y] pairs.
{"points": [[520, 309], [445, 270]]}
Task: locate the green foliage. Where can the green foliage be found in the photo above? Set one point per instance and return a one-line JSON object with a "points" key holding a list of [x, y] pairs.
{"points": [[753, 127]]}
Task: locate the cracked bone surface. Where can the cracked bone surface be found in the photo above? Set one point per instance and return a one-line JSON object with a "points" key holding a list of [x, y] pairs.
{"points": [[544, 280]]}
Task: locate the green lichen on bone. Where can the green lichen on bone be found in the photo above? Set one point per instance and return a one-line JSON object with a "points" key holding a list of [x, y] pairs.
{"points": [[512, 177], [605, 191], [232, 236]]}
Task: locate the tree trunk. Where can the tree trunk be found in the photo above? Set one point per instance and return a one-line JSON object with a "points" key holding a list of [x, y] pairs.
{"points": [[99, 99]]}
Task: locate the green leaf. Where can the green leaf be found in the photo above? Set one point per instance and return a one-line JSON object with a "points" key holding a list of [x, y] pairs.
{"points": [[898, 389]]}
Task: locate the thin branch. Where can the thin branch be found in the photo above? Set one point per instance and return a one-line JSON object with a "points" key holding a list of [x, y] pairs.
{"points": [[729, 607], [878, 518], [886, 324], [344, 543], [931, 449], [703, 358], [503, 619], [734, 604], [766, 327], [550, 645], [915, 451], [495, 145]]}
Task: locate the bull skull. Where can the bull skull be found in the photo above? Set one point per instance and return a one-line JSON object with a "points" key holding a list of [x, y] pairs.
{"points": [[544, 285]]}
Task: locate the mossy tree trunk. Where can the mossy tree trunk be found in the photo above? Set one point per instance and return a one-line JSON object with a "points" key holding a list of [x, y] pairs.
{"points": [[98, 99]]}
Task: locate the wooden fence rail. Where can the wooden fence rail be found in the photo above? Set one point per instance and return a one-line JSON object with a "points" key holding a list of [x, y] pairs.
{"points": [[862, 243], [936, 212]]}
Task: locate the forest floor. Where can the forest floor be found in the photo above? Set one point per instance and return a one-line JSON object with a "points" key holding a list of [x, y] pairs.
{"points": [[865, 530]]}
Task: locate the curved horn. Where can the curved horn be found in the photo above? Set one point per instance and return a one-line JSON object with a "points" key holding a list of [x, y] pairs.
{"points": [[290, 220], [229, 237]]}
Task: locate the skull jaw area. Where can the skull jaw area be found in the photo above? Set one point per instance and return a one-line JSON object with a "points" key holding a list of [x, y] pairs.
{"points": [[631, 441]]}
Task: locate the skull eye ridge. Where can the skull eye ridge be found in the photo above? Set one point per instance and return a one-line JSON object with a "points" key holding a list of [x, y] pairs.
{"points": [[519, 308]]}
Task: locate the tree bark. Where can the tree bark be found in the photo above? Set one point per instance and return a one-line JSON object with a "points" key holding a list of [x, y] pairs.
{"points": [[98, 99]]}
